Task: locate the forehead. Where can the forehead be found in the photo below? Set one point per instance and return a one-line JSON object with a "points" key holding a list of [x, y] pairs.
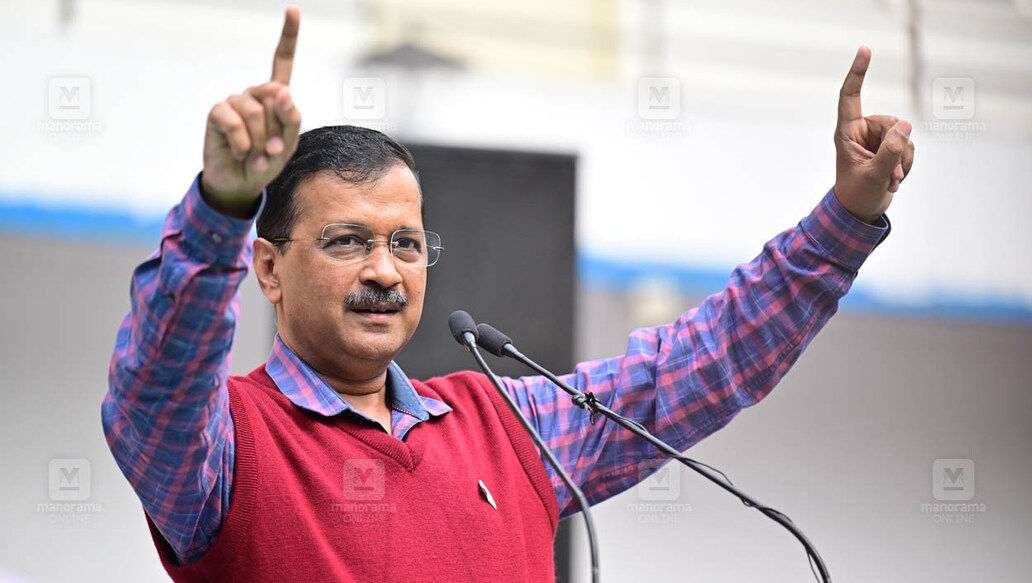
{"points": [[391, 202]]}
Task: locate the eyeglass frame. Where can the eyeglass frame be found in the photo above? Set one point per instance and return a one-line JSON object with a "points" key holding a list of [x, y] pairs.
{"points": [[370, 243]]}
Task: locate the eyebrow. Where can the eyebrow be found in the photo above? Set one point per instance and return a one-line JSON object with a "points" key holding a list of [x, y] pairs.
{"points": [[365, 226]]}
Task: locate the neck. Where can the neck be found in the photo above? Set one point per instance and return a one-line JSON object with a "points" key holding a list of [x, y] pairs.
{"points": [[367, 403], [365, 392], [367, 396], [363, 386]]}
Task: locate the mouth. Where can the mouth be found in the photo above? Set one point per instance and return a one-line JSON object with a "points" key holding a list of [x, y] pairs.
{"points": [[377, 312]]}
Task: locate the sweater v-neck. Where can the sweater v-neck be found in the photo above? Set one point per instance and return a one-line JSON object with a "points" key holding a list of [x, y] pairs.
{"points": [[407, 452]]}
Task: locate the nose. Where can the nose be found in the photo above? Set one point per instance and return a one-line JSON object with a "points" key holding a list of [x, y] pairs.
{"points": [[379, 267]]}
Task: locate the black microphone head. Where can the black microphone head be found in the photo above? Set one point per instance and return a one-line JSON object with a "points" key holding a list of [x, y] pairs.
{"points": [[460, 323], [491, 340]]}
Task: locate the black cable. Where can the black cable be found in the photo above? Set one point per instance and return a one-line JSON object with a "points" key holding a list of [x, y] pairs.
{"points": [[588, 402], [547, 453]]}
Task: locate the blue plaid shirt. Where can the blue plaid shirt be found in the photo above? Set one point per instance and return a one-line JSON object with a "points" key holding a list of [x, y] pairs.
{"points": [[166, 415]]}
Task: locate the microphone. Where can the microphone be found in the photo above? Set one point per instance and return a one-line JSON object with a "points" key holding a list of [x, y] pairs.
{"points": [[493, 341], [497, 343], [467, 333], [463, 328]]}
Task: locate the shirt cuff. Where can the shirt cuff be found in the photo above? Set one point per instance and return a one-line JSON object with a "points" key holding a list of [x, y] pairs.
{"points": [[211, 233], [844, 238]]}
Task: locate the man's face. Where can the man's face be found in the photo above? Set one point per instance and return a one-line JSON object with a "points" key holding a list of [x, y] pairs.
{"points": [[315, 320]]}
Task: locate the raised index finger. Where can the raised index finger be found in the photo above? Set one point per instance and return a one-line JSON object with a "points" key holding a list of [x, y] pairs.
{"points": [[849, 97], [283, 61]]}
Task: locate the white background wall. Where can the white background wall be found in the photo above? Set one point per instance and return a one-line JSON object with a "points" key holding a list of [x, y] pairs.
{"points": [[845, 447], [759, 83]]}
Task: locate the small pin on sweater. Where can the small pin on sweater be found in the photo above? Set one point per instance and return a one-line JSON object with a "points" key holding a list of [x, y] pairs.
{"points": [[487, 494]]}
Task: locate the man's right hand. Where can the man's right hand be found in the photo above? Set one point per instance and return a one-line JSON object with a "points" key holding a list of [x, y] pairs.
{"points": [[251, 135]]}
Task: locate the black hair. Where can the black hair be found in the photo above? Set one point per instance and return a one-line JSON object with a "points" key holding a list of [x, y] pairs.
{"points": [[355, 154]]}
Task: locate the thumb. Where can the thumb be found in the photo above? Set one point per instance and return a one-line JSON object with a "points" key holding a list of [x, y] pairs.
{"points": [[890, 152]]}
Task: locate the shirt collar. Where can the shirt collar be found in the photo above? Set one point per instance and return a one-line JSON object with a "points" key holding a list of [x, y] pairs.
{"points": [[299, 383]]}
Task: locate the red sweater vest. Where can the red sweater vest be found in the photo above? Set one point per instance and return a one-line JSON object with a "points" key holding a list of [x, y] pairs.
{"points": [[328, 499]]}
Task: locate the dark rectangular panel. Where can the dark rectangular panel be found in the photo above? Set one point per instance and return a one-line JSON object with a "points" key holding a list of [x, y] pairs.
{"points": [[507, 224]]}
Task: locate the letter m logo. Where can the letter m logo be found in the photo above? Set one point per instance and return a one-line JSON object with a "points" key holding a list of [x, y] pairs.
{"points": [[953, 480], [364, 479], [659, 98], [69, 98], [69, 479], [953, 98], [365, 98], [658, 483]]}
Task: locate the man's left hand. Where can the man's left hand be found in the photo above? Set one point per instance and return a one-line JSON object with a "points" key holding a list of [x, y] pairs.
{"points": [[874, 154]]}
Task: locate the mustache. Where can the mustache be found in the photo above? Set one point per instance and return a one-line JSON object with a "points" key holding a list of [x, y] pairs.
{"points": [[374, 297]]}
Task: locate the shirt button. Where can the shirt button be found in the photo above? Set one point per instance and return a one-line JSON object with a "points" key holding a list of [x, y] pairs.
{"points": [[216, 237]]}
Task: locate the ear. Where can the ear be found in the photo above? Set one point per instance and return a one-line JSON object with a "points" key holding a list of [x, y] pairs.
{"points": [[265, 257]]}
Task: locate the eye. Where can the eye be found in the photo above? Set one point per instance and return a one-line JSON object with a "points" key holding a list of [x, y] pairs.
{"points": [[408, 243], [346, 242]]}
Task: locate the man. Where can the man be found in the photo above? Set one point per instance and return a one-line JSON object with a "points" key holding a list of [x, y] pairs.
{"points": [[327, 463]]}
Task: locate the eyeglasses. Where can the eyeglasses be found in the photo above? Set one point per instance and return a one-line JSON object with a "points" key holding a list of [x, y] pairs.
{"points": [[353, 243]]}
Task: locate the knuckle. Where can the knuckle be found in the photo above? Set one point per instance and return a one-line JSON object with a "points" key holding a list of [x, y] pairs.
{"points": [[224, 119], [215, 115], [228, 123], [233, 124], [264, 90], [252, 109], [220, 109]]}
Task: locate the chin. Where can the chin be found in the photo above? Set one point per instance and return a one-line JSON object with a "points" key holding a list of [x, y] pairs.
{"points": [[372, 350]]}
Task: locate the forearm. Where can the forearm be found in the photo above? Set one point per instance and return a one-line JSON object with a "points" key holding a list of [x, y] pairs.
{"points": [[742, 341], [685, 380], [166, 414]]}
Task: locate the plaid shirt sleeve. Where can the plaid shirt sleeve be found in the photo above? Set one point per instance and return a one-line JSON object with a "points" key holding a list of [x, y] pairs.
{"points": [[166, 413], [686, 380]]}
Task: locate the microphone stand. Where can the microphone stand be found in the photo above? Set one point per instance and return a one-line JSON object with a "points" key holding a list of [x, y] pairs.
{"points": [[468, 339], [588, 402]]}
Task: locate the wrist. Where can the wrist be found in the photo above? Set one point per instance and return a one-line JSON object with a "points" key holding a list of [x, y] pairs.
{"points": [[236, 206], [869, 216]]}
